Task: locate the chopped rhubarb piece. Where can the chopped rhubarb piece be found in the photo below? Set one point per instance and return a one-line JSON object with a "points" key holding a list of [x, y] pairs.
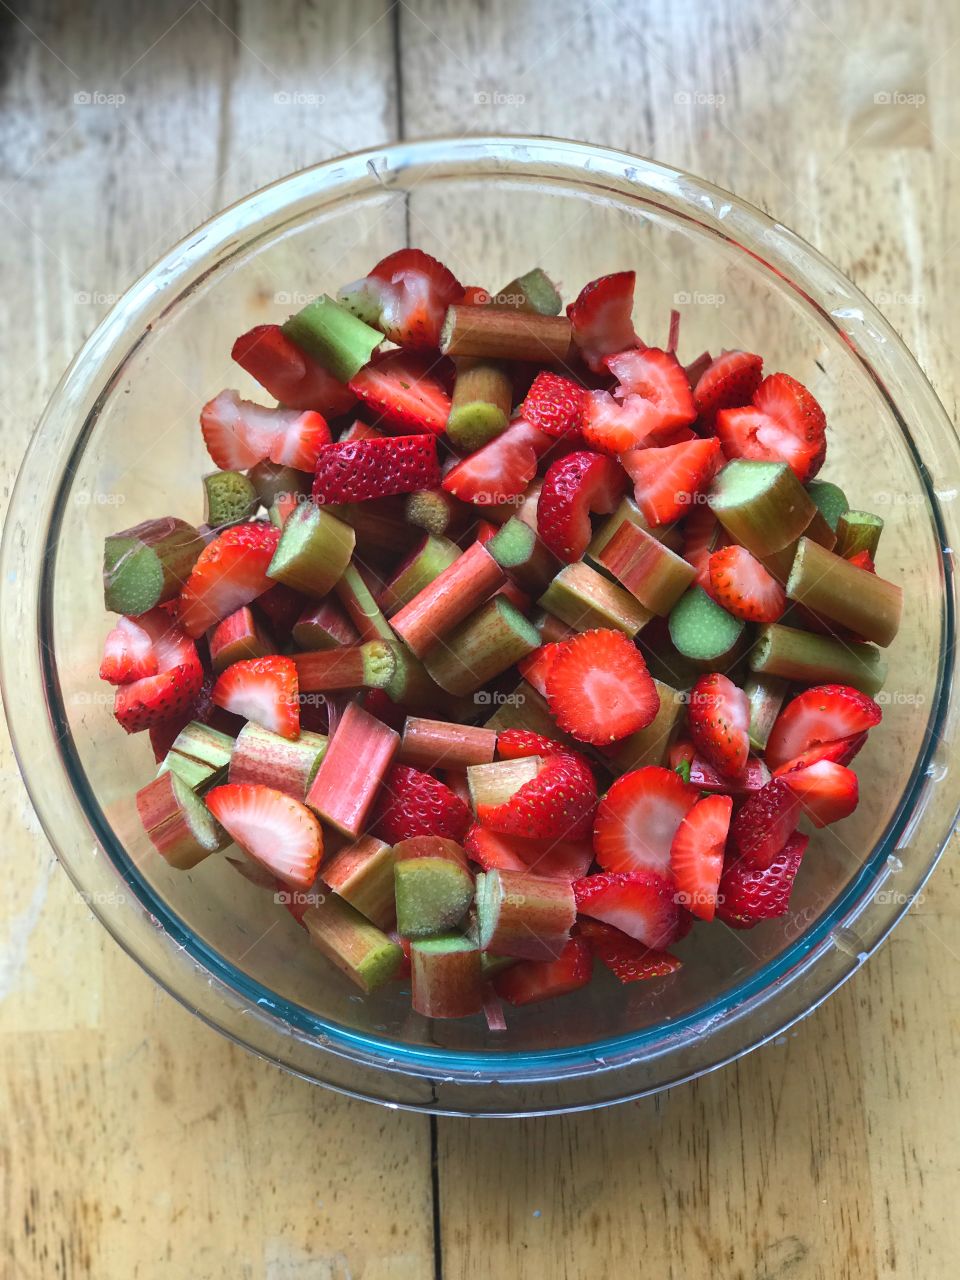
{"points": [[177, 822], [328, 332], [585, 599], [446, 977], [765, 823], [705, 777], [341, 793], [651, 572], [448, 600], [637, 820], [531, 980], [720, 723], [573, 487], [200, 755], [702, 630], [523, 555], [626, 958], [824, 714], [702, 535], [432, 895], [835, 589], [236, 638], [599, 689], [491, 785], [811, 659], [148, 564], [323, 625], [655, 386], [481, 403], [288, 373], [481, 647], [358, 948], [229, 497], [601, 316], [289, 765], [433, 744], [404, 391], [640, 904], [362, 874], [277, 831], [413, 803], [500, 333], [668, 481], [784, 423], [523, 915], [696, 854], [749, 894]]}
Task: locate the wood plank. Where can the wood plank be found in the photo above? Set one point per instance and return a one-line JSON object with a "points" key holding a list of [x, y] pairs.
{"points": [[134, 1141]]}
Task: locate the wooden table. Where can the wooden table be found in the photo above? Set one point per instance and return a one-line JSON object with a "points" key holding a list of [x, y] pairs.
{"points": [[137, 1143]]}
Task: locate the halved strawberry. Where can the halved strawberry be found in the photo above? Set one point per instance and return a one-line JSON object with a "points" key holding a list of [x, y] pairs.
{"points": [[626, 958], [405, 389], [599, 689], [491, 851], [573, 487], [827, 791], [668, 481], [554, 404], [719, 723], [238, 433], [532, 980], [638, 903], [705, 778], [765, 823], [659, 378], [784, 423], [726, 383], [824, 713], [264, 690], [363, 469], [638, 818], [558, 804], [277, 831], [171, 693], [230, 572], [414, 291], [748, 894], [702, 535], [288, 373], [696, 855], [601, 316], [413, 803], [554, 859], [535, 667], [740, 583], [299, 440], [515, 744], [502, 469], [842, 751], [128, 652]]}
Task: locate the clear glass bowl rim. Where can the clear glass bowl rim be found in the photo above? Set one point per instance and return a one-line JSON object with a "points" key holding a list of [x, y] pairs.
{"points": [[206, 983]]}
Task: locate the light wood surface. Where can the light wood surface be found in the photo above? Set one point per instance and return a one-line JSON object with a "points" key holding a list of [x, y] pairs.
{"points": [[136, 1143]]}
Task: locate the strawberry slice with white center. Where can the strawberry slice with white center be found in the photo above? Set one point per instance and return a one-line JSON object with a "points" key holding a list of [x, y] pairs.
{"points": [[740, 583], [288, 373], [299, 439], [413, 291], [602, 318], [230, 572], [406, 390], [573, 487], [702, 535], [729, 382], [278, 832], [827, 791], [638, 818], [364, 469], [263, 690], [502, 469], [238, 433], [614, 426], [784, 423], [128, 653], [172, 691], [533, 980], [842, 751], [640, 904], [626, 958], [720, 723], [765, 823], [749, 894], [535, 668], [696, 855], [823, 714], [668, 481], [554, 404], [660, 379], [599, 689]]}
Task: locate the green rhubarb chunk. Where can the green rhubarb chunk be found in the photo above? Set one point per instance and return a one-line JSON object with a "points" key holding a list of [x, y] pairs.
{"points": [[418, 570], [357, 947], [339, 340], [483, 646], [446, 976], [627, 511], [533, 291], [765, 694], [835, 589], [650, 745], [438, 512], [365, 614], [762, 505], [178, 823], [703, 631], [273, 482], [523, 556], [148, 564], [432, 895], [481, 403], [814, 659], [474, 423], [829, 499], [313, 552], [199, 755], [584, 599], [858, 531], [229, 497]]}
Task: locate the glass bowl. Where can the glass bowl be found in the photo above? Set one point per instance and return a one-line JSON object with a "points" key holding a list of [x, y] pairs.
{"points": [[119, 443]]}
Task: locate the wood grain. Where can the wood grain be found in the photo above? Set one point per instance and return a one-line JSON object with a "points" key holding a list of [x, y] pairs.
{"points": [[134, 1142]]}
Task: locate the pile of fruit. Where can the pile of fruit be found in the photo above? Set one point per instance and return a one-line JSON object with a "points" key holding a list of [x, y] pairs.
{"points": [[508, 643]]}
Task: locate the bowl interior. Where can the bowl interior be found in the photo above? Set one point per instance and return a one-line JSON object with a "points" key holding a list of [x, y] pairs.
{"points": [[142, 456]]}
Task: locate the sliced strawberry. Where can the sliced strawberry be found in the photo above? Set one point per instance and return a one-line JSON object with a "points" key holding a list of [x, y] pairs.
{"points": [[702, 534], [841, 751], [824, 713], [640, 904], [827, 791], [696, 855], [230, 572], [554, 404], [299, 440], [614, 426], [638, 818], [202, 708], [626, 958], [535, 667], [475, 295], [363, 469], [601, 316], [749, 894], [573, 487], [493, 852], [783, 424], [719, 723], [288, 373], [404, 389], [740, 583], [238, 433], [532, 980], [282, 606], [169, 694], [765, 823], [414, 291], [277, 831], [659, 379], [554, 859], [558, 804], [264, 690], [515, 744], [599, 689], [413, 803], [128, 652], [728, 382], [704, 777], [502, 469], [668, 481]]}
